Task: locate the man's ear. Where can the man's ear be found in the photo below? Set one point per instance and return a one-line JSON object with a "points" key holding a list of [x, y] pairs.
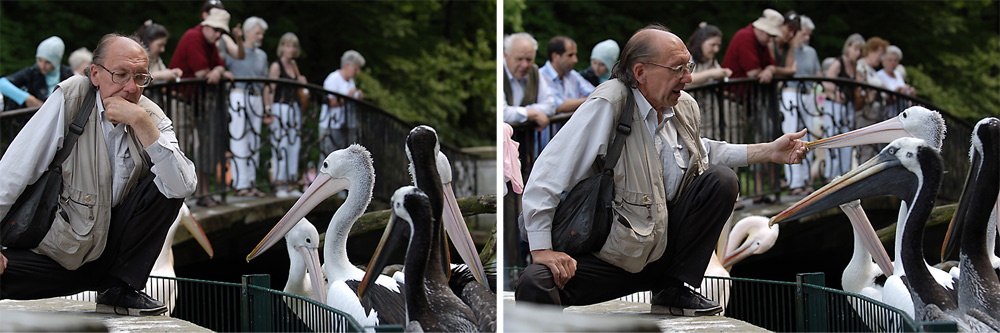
{"points": [[93, 74], [640, 73]]}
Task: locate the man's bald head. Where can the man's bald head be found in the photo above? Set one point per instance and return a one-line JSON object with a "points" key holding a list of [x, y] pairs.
{"points": [[115, 41], [647, 44]]}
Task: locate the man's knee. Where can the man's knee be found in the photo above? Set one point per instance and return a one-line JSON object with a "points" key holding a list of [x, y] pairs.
{"points": [[536, 285], [725, 181]]}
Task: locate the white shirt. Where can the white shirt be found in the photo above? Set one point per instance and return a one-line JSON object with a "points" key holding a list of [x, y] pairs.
{"points": [[571, 153], [335, 83], [515, 114], [31, 152], [571, 85], [891, 83]]}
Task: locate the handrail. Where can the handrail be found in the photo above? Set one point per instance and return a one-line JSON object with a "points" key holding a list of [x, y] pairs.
{"points": [[201, 114]]}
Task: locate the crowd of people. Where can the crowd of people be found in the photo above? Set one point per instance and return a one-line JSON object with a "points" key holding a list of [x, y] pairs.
{"points": [[773, 46], [218, 52]]}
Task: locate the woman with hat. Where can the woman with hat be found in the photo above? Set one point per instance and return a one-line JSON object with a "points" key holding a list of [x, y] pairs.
{"points": [[30, 86], [602, 59]]}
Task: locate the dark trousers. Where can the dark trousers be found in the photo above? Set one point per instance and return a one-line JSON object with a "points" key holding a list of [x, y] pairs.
{"points": [[695, 222], [138, 228]]}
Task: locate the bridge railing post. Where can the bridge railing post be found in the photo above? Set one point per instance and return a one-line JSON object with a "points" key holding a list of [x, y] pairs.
{"points": [[255, 306], [811, 310]]}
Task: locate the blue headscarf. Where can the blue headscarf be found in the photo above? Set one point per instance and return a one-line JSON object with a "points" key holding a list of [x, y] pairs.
{"points": [[607, 53]]}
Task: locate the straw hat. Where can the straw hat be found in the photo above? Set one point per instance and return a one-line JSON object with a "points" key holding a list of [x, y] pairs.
{"points": [[770, 23], [217, 18]]}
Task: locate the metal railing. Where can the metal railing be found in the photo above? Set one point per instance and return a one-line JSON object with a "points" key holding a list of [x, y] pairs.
{"points": [[248, 306], [210, 119]]}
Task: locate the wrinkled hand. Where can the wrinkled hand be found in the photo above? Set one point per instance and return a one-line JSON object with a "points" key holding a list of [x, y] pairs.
{"points": [[121, 111], [213, 76], [539, 118], [3, 263], [788, 149], [563, 266], [766, 75]]}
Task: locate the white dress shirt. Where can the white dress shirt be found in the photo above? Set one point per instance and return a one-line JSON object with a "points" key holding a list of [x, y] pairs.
{"points": [[570, 155], [335, 83], [515, 114], [175, 173]]}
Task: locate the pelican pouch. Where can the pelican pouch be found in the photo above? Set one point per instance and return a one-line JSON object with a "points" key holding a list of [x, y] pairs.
{"points": [[30, 217], [583, 218]]}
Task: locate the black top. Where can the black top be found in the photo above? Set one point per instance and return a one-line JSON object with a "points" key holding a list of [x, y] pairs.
{"points": [[590, 76], [32, 80], [284, 93]]}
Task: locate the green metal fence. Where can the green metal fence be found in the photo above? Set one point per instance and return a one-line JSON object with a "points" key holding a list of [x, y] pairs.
{"points": [[804, 305], [248, 306]]}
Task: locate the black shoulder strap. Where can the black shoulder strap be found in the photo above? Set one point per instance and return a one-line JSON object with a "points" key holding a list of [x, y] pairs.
{"points": [[623, 129], [76, 128]]}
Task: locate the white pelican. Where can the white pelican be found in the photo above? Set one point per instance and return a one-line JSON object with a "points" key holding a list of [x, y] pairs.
{"points": [[979, 289], [302, 243], [430, 303], [911, 169], [748, 236], [349, 168]]}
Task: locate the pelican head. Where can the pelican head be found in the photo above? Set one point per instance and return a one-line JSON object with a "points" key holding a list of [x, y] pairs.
{"points": [[339, 170], [754, 236], [894, 171], [408, 203], [303, 241], [916, 121], [985, 139]]}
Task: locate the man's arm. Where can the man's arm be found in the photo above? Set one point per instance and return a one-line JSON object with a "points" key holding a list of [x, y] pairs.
{"points": [[564, 162], [32, 150], [787, 149], [570, 105]]}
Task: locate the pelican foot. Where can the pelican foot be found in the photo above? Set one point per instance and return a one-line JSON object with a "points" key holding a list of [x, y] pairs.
{"points": [[125, 301], [682, 301]]}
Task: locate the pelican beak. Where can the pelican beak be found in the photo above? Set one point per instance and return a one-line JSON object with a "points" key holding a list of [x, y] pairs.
{"points": [[881, 175], [194, 228], [954, 234], [883, 132], [745, 250], [458, 232], [869, 238], [311, 257], [396, 232], [323, 187]]}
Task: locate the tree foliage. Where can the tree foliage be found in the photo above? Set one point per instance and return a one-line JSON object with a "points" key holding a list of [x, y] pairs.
{"points": [[428, 62], [950, 48]]}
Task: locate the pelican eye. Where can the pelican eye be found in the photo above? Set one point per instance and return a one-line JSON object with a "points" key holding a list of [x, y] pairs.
{"points": [[325, 164], [892, 150], [309, 241], [909, 155], [904, 114]]}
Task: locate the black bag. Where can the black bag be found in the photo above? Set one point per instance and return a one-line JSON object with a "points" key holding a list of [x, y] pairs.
{"points": [[30, 217], [583, 219]]}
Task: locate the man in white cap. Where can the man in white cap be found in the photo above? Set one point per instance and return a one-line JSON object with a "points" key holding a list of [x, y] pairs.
{"points": [[197, 54], [747, 54], [29, 87]]}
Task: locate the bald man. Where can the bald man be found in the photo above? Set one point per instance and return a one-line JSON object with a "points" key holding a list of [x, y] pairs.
{"points": [[123, 183], [673, 189]]}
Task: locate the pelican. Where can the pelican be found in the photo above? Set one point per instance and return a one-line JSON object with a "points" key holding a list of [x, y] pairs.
{"points": [[430, 303], [165, 290], [910, 169], [750, 235], [980, 287], [349, 168], [432, 174], [302, 243]]}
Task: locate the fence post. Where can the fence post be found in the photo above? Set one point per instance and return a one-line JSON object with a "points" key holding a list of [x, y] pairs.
{"points": [[811, 310], [255, 306]]}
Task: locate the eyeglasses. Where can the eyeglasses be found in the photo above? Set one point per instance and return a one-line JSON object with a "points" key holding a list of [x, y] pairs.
{"points": [[679, 68], [141, 80], [219, 30]]}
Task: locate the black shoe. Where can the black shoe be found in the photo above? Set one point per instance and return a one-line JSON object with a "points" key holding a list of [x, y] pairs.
{"points": [[681, 301], [123, 300]]}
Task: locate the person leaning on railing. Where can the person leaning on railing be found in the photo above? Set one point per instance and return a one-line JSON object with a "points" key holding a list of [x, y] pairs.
{"points": [[334, 127], [39, 79], [246, 108], [123, 184], [287, 112], [648, 249]]}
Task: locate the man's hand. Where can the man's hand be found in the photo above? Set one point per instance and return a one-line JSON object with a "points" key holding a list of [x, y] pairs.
{"points": [[766, 74], [539, 118], [120, 111], [788, 149], [238, 32], [563, 266], [214, 75], [228, 75], [3, 263], [32, 102]]}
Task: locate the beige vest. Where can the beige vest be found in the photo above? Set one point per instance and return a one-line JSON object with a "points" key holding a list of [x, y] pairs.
{"points": [[640, 198], [80, 229]]}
